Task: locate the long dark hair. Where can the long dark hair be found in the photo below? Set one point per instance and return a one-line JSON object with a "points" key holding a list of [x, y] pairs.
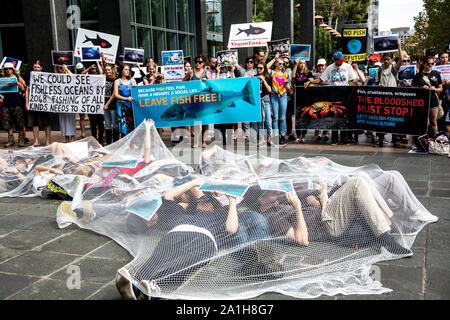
{"points": [[121, 71]]}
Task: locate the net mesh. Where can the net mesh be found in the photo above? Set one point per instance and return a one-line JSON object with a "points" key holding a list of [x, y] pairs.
{"points": [[235, 226]]}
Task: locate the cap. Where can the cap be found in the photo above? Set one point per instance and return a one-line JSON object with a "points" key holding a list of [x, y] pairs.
{"points": [[8, 65], [80, 66], [338, 57], [321, 61], [377, 64]]}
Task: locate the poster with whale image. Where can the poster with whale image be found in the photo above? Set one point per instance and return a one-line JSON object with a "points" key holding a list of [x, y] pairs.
{"points": [[188, 103], [252, 34], [108, 43]]}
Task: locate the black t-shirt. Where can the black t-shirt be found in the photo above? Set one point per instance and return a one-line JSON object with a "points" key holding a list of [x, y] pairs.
{"points": [[301, 78], [263, 88], [435, 80]]}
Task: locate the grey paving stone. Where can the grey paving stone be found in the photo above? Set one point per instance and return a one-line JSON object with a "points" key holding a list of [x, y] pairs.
{"points": [[12, 283], [36, 263], [109, 292], [440, 184], [27, 239], [9, 208], [417, 260], [94, 270], [41, 210], [7, 253], [442, 193], [50, 289], [440, 203], [111, 251], [21, 222], [438, 283], [80, 242]]}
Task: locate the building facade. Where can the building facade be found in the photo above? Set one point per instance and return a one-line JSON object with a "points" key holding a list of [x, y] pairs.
{"points": [[30, 29]]}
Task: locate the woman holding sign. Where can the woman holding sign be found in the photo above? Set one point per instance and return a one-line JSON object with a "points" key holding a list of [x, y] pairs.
{"points": [[67, 121], [122, 92]]}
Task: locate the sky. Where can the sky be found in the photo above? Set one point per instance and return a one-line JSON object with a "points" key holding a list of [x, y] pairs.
{"points": [[398, 13]]}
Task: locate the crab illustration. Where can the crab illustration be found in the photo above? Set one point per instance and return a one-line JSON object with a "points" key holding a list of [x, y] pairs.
{"points": [[322, 109]]}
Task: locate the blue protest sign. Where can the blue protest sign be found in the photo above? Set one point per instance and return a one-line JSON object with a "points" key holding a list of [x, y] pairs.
{"points": [[172, 57], [8, 85], [300, 51], [209, 102]]}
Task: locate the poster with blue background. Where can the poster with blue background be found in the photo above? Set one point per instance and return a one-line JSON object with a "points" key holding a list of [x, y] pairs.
{"points": [[300, 51], [8, 85], [187, 103]]}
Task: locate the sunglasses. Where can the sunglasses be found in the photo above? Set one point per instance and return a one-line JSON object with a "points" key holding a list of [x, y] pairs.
{"points": [[406, 60], [198, 61], [430, 64], [281, 64], [260, 68], [250, 62]]}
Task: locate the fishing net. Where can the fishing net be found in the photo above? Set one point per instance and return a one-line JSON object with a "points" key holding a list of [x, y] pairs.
{"points": [[236, 226]]}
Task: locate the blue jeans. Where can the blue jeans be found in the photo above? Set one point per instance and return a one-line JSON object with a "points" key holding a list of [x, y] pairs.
{"points": [[110, 119], [252, 226], [279, 107], [267, 116]]}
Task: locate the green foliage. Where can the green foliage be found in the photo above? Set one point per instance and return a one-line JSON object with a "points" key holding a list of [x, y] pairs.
{"points": [[335, 11], [262, 10], [432, 26]]}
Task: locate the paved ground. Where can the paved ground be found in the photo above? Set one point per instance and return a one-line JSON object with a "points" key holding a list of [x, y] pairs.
{"points": [[36, 256]]}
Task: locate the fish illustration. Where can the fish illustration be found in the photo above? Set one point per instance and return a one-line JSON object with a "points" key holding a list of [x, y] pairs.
{"points": [[7, 87], [252, 30], [105, 44], [201, 109]]}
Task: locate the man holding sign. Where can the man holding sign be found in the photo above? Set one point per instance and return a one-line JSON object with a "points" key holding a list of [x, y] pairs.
{"points": [[12, 109]]}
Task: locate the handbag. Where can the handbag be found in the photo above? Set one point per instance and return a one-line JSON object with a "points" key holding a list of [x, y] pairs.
{"points": [[439, 148], [440, 109]]}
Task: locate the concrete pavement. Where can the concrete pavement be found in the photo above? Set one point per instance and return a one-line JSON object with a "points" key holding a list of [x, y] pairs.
{"points": [[37, 259]]}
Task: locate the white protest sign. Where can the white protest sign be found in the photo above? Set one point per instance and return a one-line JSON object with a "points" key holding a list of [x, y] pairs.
{"points": [[173, 73], [108, 43], [250, 34], [444, 70], [67, 93]]}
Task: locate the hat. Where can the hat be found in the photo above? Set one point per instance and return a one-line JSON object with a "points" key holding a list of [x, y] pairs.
{"points": [[321, 61], [377, 64], [80, 66], [338, 57], [8, 65]]}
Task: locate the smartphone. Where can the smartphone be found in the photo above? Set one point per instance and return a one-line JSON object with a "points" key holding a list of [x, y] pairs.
{"points": [[158, 69]]}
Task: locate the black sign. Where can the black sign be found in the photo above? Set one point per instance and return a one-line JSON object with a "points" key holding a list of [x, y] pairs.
{"points": [[380, 109], [354, 44]]}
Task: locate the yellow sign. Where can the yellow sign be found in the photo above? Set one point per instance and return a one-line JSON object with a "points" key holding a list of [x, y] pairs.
{"points": [[355, 57], [354, 32]]}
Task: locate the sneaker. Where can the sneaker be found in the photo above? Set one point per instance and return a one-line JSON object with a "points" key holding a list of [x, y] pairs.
{"points": [[123, 283], [325, 139], [269, 143], [282, 140], [291, 137], [66, 209], [151, 289], [319, 139]]}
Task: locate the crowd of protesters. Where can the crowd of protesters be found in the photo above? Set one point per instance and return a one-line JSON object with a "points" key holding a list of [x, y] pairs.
{"points": [[279, 77]]}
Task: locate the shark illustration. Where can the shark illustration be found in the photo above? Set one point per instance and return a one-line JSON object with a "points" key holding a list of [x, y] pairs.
{"points": [[99, 42], [252, 30], [201, 109]]}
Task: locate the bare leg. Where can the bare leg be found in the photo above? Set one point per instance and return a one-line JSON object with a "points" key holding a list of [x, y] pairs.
{"points": [[36, 142]]}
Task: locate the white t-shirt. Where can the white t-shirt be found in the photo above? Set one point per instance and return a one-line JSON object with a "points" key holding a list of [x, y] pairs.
{"points": [[338, 75], [41, 181]]}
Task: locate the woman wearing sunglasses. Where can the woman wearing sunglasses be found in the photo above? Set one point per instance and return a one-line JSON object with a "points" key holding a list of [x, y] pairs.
{"points": [[280, 88], [430, 80], [198, 73], [266, 90]]}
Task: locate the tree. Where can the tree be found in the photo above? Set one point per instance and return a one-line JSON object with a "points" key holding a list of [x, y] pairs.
{"points": [[336, 11], [262, 10], [432, 26]]}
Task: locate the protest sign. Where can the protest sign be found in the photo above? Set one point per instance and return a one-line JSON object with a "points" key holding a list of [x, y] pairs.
{"points": [[173, 73], [383, 44], [145, 205], [67, 93], [107, 42], [373, 72], [380, 109], [354, 44], [60, 58], [255, 34], [16, 63], [300, 51], [231, 189], [227, 58], [444, 70], [407, 72], [284, 186], [8, 85], [90, 54], [186, 103], [282, 46], [172, 57], [132, 56]]}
